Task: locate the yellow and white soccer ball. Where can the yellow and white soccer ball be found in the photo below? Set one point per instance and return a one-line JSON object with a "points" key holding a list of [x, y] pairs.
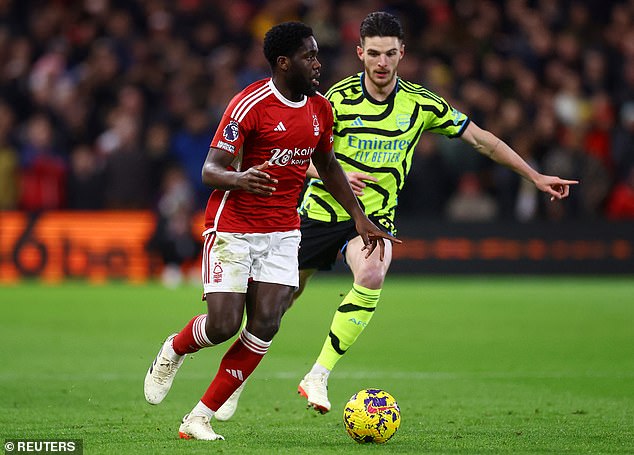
{"points": [[371, 415]]}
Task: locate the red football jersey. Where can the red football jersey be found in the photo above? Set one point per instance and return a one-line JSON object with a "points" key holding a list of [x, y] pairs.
{"points": [[261, 125]]}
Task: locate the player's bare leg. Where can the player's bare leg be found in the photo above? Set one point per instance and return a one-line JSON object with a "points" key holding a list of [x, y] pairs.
{"points": [[353, 315]]}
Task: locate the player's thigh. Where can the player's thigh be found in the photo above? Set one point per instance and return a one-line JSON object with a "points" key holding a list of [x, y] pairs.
{"points": [[369, 272], [275, 258], [226, 262]]}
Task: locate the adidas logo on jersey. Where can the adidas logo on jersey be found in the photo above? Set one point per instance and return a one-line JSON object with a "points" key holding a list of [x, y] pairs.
{"points": [[280, 127], [357, 122]]}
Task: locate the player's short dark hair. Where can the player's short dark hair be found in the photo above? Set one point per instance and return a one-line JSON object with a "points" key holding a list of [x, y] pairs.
{"points": [[285, 39], [380, 23]]}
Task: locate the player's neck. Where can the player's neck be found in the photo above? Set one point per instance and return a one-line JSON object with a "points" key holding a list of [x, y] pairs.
{"points": [[285, 91], [377, 92]]}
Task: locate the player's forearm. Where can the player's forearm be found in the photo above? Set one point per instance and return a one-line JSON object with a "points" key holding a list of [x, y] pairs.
{"points": [[490, 145], [219, 178], [503, 154], [311, 172], [336, 183], [216, 173]]}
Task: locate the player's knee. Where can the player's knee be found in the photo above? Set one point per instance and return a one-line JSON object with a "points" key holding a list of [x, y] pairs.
{"points": [[264, 328], [297, 294], [220, 330], [304, 277], [370, 277]]}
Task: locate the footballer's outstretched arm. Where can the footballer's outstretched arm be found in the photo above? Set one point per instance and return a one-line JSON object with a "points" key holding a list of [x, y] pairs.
{"points": [[490, 145]]}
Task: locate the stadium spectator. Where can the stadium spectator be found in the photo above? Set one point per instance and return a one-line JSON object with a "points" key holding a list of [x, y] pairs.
{"points": [[623, 140], [127, 181], [189, 147], [173, 240], [620, 205], [570, 156], [470, 202], [9, 160], [42, 168], [158, 153], [86, 179]]}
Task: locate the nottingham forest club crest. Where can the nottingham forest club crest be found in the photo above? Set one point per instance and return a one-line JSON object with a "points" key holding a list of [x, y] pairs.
{"points": [[315, 125], [217, 272]]}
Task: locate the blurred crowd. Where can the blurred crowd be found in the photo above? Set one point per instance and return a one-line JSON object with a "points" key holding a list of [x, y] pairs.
{"points": [[111, 104]]}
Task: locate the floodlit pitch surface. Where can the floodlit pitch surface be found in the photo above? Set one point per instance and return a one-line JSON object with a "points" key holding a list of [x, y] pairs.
{"points": [[478, 365]]}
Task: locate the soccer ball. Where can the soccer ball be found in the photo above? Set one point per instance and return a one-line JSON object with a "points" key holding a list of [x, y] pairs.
{"points": [[371, 415]]}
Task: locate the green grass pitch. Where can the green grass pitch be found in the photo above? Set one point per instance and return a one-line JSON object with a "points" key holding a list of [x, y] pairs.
{"points": [[478, 365]]}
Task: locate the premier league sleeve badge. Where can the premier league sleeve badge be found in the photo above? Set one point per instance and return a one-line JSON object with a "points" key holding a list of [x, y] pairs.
{"points": [[231, 131]]}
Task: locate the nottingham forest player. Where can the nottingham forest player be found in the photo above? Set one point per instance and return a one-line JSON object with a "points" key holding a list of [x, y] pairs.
{"points": [[257, 163]]}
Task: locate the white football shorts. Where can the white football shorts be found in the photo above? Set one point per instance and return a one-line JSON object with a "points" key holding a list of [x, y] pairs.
{"points": [[230, 260]]}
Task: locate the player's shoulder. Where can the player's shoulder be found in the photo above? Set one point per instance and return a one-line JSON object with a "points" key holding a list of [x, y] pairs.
{"points": [[248, 98], [346, 88], [255, 86], [320, 100], [418, 93]]}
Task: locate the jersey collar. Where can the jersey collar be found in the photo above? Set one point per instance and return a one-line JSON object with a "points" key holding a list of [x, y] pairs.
{"points": [[281, 97], [369, 97]]}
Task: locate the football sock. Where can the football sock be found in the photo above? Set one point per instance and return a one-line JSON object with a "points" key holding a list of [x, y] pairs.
{"points": [[352, 316], [319, 369], [201, 410], [193, 337], [235, 367]]}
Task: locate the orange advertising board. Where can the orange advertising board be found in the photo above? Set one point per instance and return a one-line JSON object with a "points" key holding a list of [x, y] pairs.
{"points": [[94, 246], [111, 245]]}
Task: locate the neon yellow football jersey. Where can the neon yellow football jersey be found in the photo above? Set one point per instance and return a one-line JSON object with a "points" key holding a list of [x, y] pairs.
{"points": [[379, 138]]}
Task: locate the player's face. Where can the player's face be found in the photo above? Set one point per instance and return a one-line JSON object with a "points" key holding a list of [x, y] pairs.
{"points": [[380, 56], [304, 74]]}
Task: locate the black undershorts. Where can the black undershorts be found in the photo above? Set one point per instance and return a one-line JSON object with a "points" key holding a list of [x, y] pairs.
{"points": [[322, 241]]}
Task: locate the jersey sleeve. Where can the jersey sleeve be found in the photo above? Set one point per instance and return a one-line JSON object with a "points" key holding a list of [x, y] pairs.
{"points": [[326, 119], [231, 134], [444, 119]]}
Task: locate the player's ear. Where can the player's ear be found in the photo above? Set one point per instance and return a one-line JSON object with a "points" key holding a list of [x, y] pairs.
{"points": [[360, 52], [283, 62], [402, 51]]}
